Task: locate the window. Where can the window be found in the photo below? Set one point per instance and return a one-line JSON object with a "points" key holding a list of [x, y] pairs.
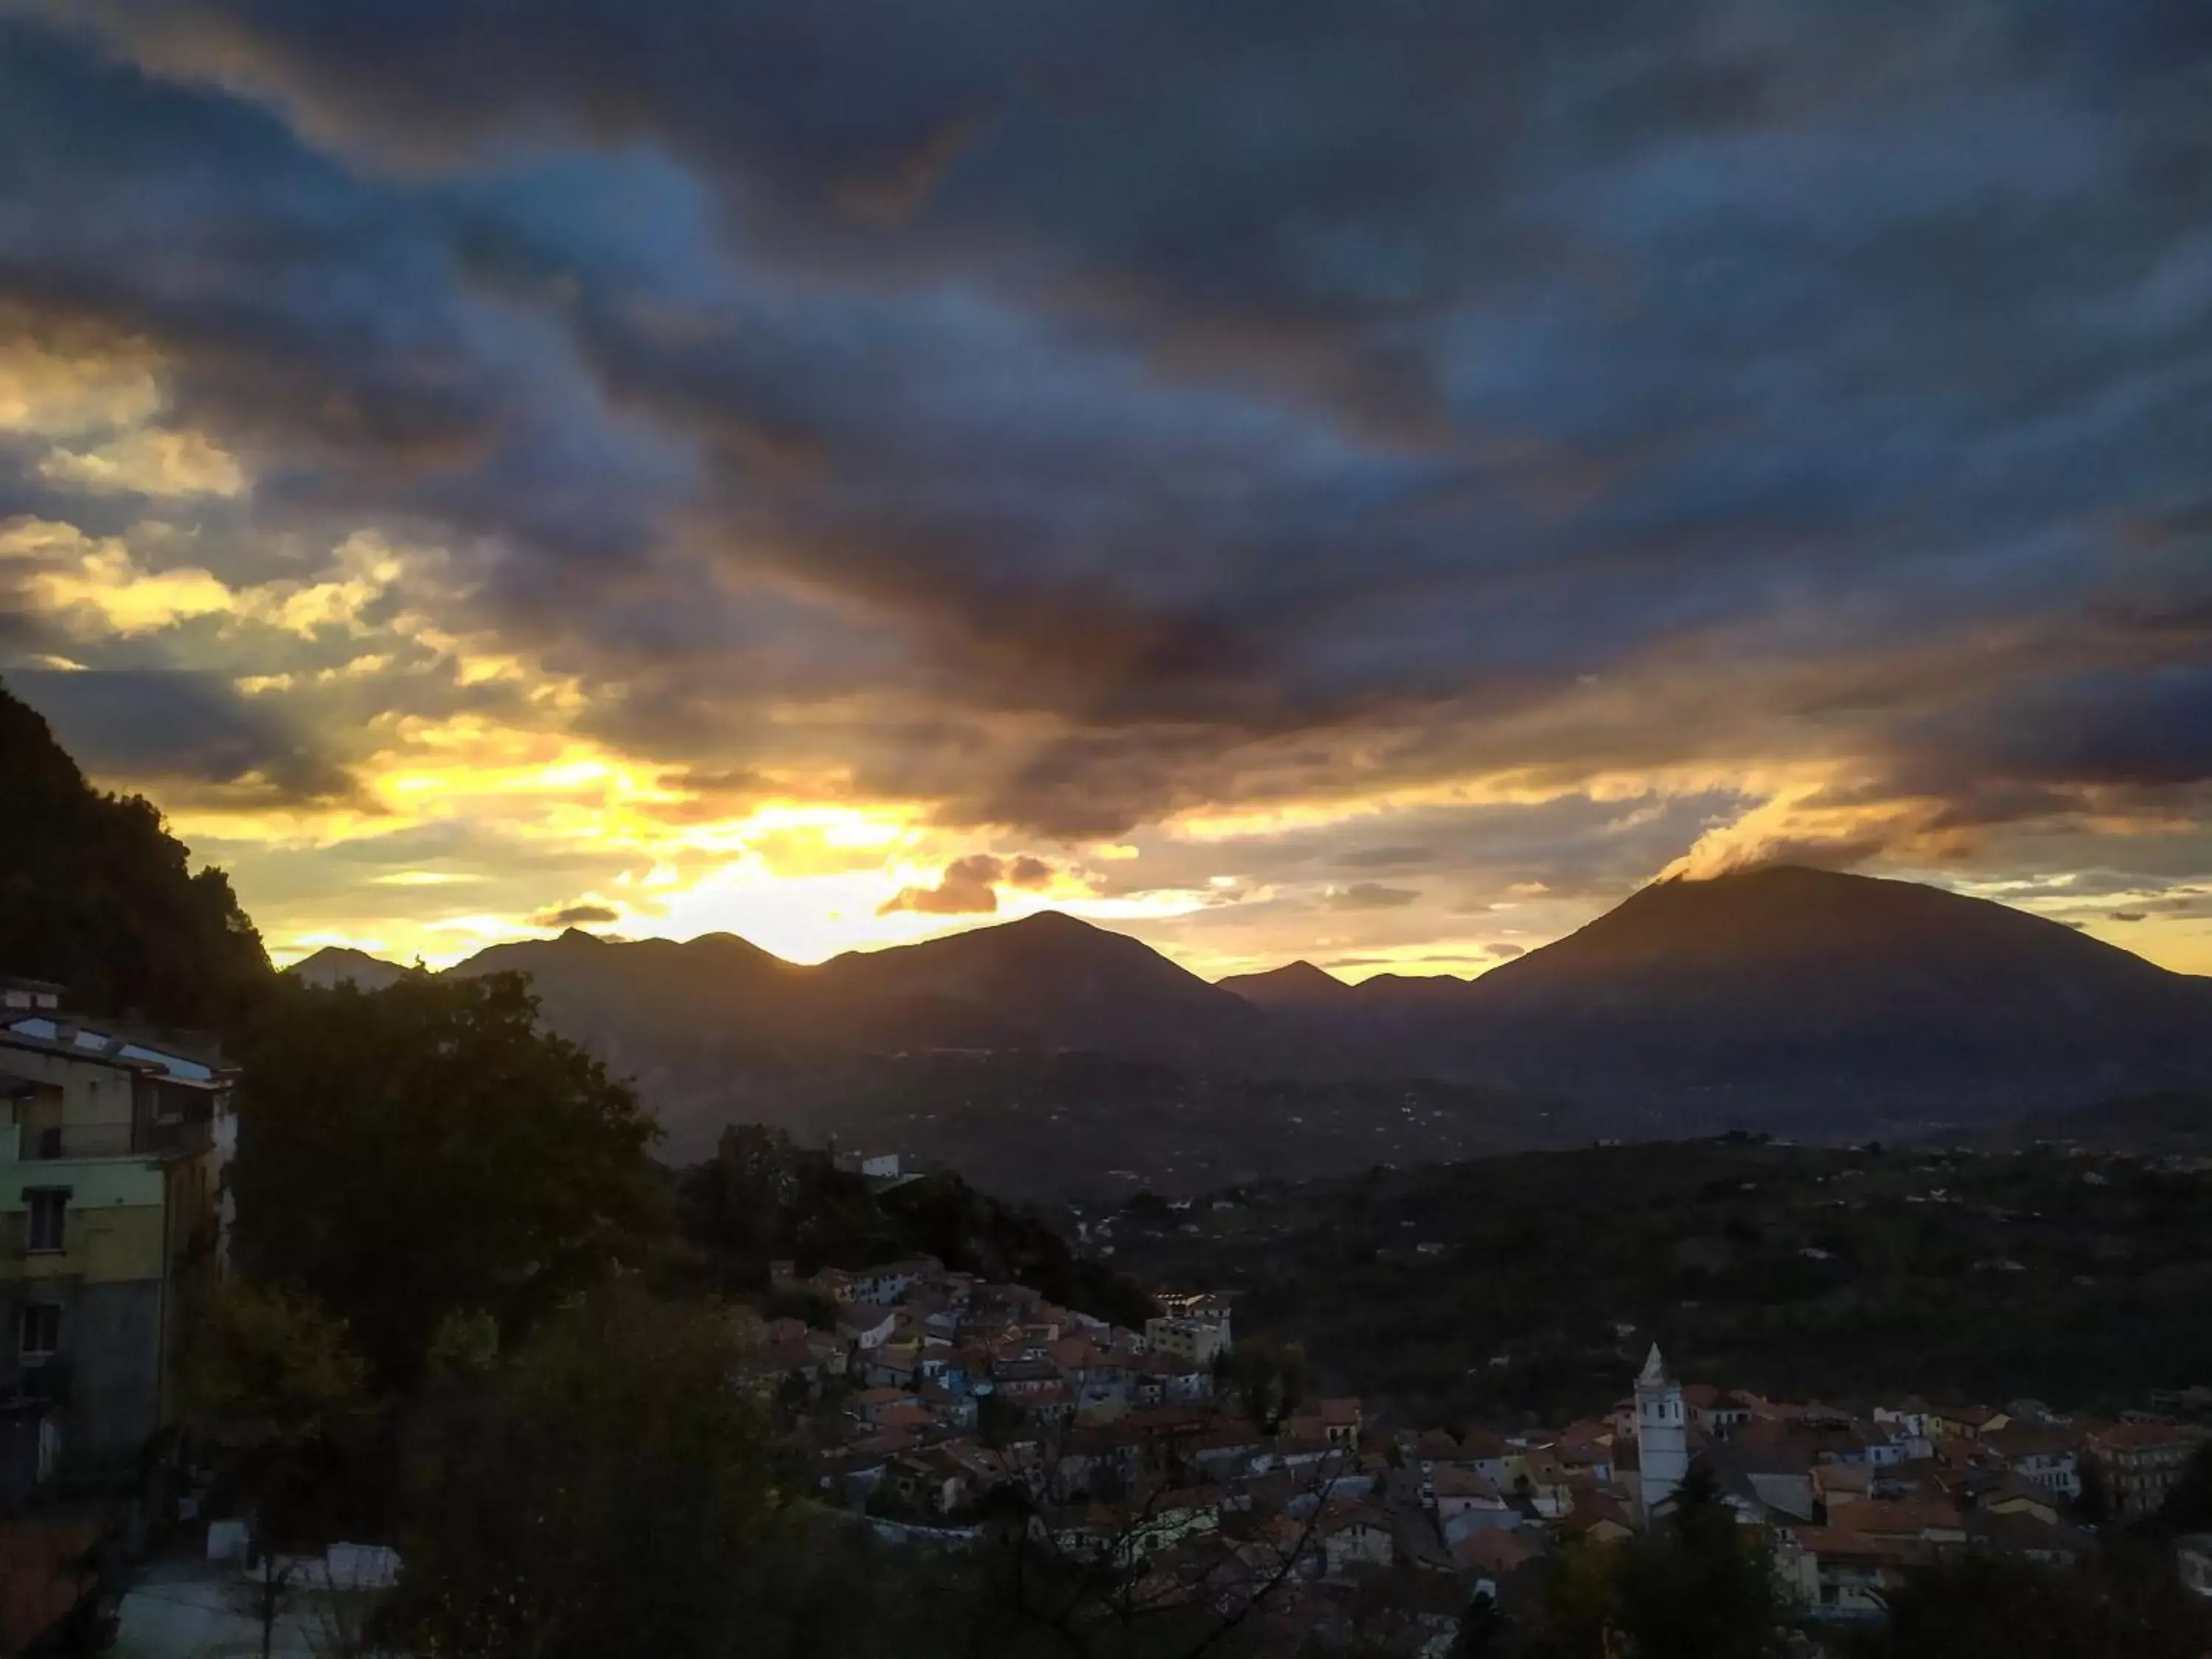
{"points": [[49, 1219], [38, 1330]]}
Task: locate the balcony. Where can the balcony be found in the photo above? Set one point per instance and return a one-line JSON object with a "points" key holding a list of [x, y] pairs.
{"points": [[152, 1137]]}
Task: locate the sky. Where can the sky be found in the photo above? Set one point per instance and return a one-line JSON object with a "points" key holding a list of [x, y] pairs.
{"points": [[1374, 483]]}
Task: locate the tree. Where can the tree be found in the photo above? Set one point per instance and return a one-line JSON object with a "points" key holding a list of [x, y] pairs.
{"points": [[1696, 1585], [2188, 1505], [2093, 1506], [609, 1491], [269, 1366], [1270, 1379], [407, 1152], [761, 1198], [2126, 1604], [271, 1380], [1482, 1629]]}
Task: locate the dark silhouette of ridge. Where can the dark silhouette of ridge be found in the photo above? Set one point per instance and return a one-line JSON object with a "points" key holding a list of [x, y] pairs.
{"points": [[1787, 998]]}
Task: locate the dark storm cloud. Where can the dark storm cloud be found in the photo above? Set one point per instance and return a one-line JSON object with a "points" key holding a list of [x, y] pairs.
{"points": [[191, 732], [576, 915], [1159, 405]]}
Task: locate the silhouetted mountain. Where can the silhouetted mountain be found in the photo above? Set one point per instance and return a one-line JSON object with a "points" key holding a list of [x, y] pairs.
{"points": [[1047, 1053], [1047, 981], [96, 896], [341, 964], [1295, 986], [1785, 995]]}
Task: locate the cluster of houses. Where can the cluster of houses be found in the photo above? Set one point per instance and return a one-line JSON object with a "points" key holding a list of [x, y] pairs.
{"points": [[940, 1391]]}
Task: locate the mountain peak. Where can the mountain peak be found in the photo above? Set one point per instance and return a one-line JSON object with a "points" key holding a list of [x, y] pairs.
{"points": [[1044, 922], [1295, 984], [342, 965], [1801, 984]]}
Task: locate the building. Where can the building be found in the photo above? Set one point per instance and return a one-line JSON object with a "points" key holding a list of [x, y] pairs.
{"points": [[1662, 1435], [29, 996], [113, 1152], [1192, 1329], [2140, 1462]]}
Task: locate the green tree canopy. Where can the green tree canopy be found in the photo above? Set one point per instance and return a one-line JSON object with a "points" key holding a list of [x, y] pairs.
{"points": [[407, 1152], [268, 1366], [97, 895], [599, 1497], [2127, 1604]]}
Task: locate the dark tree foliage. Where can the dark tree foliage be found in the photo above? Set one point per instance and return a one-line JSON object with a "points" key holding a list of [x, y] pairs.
{"points": [[606, 1492], [2093, 1507], [1848, 1280], [595, 1497], [2127, 1604], [761, 1198], [1483, 1632], [96, 896], [2188, 1507], [1697, 1585], [407, 1153]]}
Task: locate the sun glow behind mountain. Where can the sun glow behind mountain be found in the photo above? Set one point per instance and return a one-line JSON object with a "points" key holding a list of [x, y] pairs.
{"points": [[470, 522]]}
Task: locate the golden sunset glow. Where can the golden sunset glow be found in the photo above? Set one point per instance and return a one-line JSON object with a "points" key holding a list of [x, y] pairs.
{"points": [[656, 558]]}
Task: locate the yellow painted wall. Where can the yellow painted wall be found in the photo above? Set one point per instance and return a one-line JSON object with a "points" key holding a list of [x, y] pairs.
{"points": [[100, 1246]]}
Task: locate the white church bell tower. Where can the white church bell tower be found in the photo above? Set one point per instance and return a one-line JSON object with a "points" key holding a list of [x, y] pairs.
{"points": [[1663, 1435]]}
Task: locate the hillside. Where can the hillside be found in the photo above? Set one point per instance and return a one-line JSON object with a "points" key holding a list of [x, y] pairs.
{"points": [[96, 895], [1786, 997], [1047, 982], [339, 964], [760, 1199], [1298, 987], [1534, 1283]]}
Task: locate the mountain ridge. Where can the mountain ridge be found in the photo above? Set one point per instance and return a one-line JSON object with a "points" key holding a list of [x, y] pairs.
{"points": [[1806, 1001]]}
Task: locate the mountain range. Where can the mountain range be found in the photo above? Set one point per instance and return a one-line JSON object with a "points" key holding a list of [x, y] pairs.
{"points": [[1787, 1000]]}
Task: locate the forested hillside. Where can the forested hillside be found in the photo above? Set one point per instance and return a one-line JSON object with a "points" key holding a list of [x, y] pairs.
{"points": [[1536, 1283], [97, 895], [761, 1199]]}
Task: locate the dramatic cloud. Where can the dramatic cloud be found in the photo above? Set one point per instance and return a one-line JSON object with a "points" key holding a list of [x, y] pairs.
{"points": [[1372, 895], [739, 460], [969, 886], [577, 915]]}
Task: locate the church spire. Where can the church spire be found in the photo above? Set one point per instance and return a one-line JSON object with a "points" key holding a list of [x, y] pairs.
{"points": [[1654, 1368]]}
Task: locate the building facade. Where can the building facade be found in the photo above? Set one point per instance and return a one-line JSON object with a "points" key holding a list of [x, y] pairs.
{"points": [[1194, 1329], [2141, 1462], [112, 1156]]}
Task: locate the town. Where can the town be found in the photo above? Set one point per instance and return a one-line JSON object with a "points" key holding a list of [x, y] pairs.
{"points": [[1197, 1473], [1216, 1481]]}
